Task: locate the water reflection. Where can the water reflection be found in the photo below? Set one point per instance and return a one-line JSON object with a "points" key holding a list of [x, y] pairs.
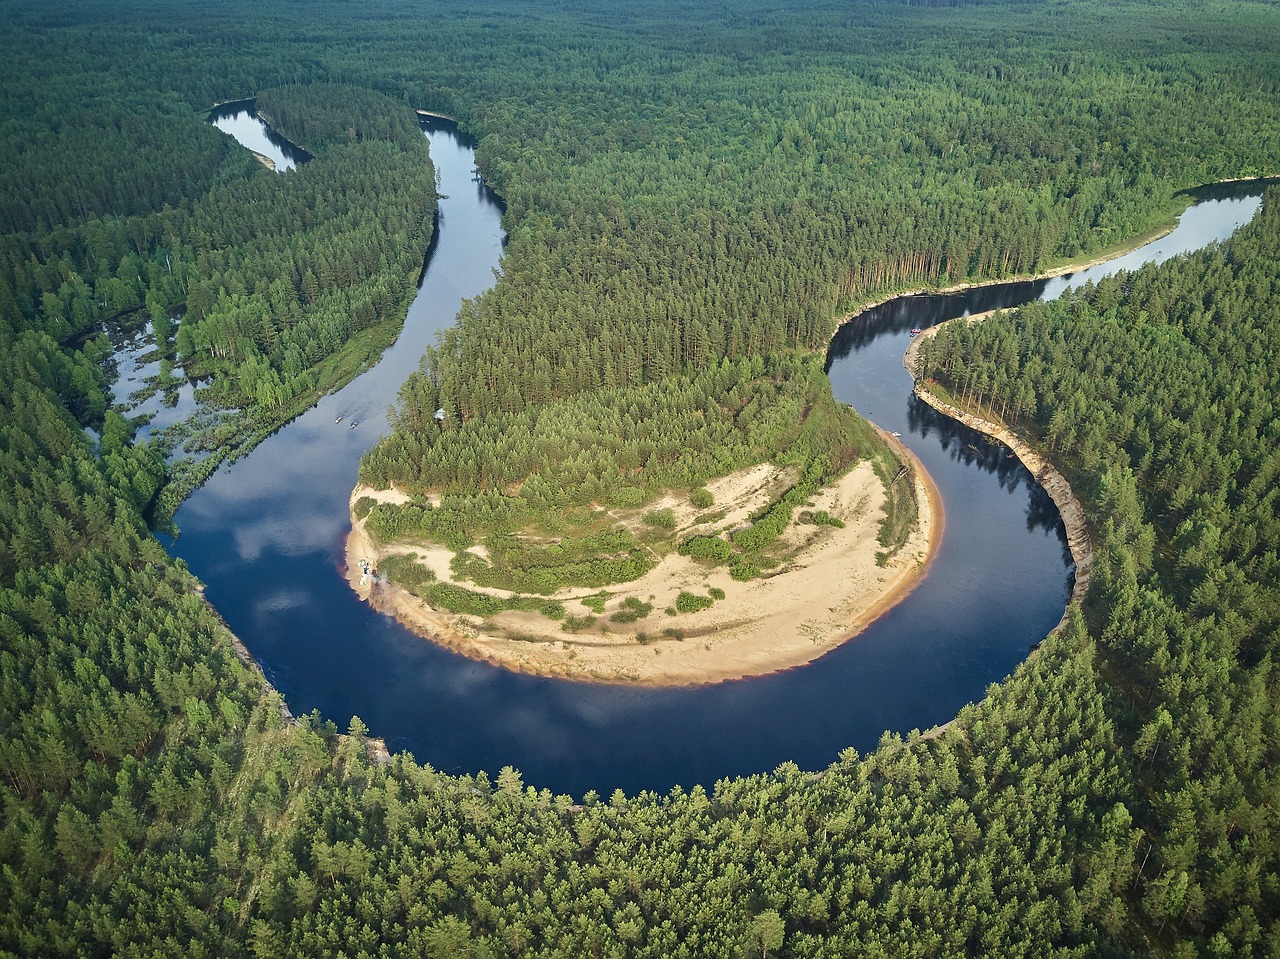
{"points": [[266, 535], [967, 447], [143, 385], [923, 310], [240, 119], [1219, 213]]}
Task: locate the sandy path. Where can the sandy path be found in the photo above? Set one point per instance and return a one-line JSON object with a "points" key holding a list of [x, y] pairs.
{"points": [[830, 591]]}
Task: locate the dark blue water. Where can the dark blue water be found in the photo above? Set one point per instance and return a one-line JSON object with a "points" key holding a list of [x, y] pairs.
{"points": [[266, 535]]}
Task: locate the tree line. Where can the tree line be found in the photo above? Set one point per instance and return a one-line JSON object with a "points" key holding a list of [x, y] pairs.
{"points": [[1157, 390]]}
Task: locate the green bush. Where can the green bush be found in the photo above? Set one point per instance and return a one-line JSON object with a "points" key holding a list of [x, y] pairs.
{"points": [[595, 603], [707, 547], [459, 600], [701, 497], [821, 518], [632, 609], [688, 602], [662, 518], [628, 497], [406, 571]]}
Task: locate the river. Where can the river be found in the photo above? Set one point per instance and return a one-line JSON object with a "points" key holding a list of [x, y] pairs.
{"points": [[266, 536], [240, 119]]}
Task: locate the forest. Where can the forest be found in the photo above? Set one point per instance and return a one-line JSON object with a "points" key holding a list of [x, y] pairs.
{"points": [[695, 197]]}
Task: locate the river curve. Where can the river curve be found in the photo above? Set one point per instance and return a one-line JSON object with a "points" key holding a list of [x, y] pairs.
{"points": [[266, 536]]}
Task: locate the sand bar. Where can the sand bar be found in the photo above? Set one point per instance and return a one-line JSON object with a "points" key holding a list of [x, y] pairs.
{"points": [[829, 591]]}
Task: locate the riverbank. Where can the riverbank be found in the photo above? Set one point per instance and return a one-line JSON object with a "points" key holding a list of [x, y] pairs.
{"points": [[1113, 252], [1053, 482], [375, 746], [1106, 255], [831, 590]]}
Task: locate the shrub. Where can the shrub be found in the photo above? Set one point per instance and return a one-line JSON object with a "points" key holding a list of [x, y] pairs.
{"points": [[595, 603], [632, 609], [406, 571], [627, 497], [662, 518], [823, 518], [688, 602], [701, 497], [707, 547], [456, 599]]}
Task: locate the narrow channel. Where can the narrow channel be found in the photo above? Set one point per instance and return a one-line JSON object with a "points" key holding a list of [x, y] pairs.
{"points": [[266, 536]]}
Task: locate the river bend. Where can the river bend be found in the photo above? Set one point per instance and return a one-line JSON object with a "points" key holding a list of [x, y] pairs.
{"points": [[266, 535]]}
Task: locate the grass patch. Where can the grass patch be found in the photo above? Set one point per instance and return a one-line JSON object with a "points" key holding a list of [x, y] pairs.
{"points": [[405, 570], [661, 518], [901, 513]]}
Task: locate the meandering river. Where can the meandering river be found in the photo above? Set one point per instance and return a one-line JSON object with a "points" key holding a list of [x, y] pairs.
{"points": [[266, 536]]}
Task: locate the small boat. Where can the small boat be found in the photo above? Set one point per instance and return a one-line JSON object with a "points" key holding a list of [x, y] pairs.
{"points": [[337, 419], [917, 331], [353, 426], [895, 433]]}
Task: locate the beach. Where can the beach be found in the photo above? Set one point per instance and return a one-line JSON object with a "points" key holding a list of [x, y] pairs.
{"points": [[830, 589]]}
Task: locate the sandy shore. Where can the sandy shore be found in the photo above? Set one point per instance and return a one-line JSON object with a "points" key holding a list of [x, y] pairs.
{"points": [[830, 591]]}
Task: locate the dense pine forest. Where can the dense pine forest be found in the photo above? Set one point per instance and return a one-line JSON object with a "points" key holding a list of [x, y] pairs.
{"points": [[695, 195]]}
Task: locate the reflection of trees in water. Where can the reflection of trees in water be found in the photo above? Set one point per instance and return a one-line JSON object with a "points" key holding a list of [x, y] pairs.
{"points": [[966, 445], [906, 313], [971, 448], [1042, 514], [431, 246], [235, 108]]}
